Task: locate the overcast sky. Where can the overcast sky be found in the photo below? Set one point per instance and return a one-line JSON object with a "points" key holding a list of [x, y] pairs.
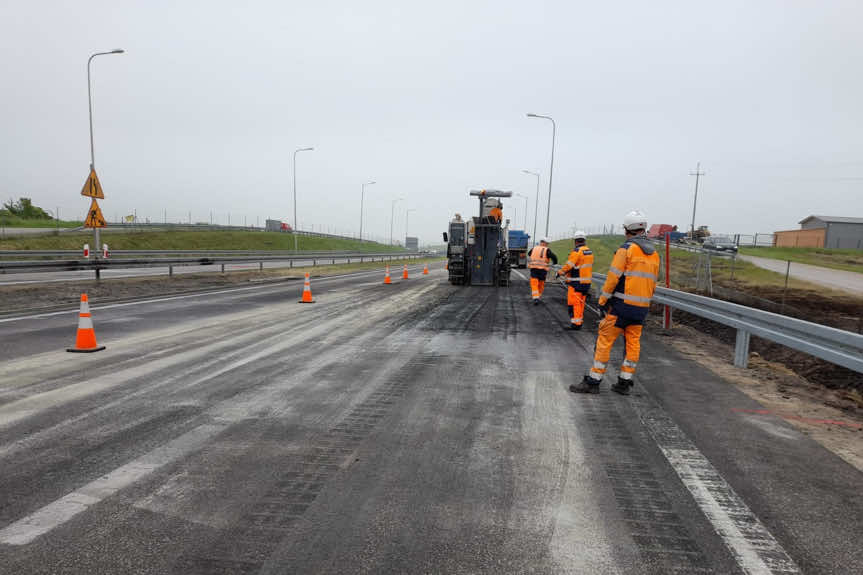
{"points": [[429, 99]]}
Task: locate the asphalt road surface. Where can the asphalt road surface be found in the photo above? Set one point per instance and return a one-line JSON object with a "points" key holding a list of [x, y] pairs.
{"points": [[412, 428], [827, 277]]}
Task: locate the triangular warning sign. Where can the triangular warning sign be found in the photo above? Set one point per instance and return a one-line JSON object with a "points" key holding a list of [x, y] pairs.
{"points": [[94, 217], [92, 188]]}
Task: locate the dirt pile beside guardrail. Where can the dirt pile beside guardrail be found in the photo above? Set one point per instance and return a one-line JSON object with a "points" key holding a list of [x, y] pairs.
{"points": [[839, 311]]}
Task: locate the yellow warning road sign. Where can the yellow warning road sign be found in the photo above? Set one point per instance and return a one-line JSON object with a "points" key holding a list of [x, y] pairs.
{"points": [[94, 217], [92, 188]]}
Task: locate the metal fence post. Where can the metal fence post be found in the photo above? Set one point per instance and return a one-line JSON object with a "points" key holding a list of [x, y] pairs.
{"points": [[785, 289], [260, 266], [223, 268], [741, 349], [170, 271]]}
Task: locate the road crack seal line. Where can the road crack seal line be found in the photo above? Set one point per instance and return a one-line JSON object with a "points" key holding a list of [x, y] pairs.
{"points": [[755, 549]]}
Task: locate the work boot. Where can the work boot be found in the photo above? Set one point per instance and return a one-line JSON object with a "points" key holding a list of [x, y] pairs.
{"points": [[586, 385], [536, 301], [575, 326], [622, 386]]}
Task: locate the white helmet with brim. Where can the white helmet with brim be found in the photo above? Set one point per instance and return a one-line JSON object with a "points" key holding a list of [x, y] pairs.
{"points": [[635, 221]]}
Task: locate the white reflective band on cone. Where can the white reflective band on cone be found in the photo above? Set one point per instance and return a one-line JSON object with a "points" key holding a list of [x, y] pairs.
{"points": [[85, 322]]}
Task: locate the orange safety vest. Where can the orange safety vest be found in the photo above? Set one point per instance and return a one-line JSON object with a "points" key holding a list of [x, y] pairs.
{"points": [[632, 278], [581, 261], [538, 260]]}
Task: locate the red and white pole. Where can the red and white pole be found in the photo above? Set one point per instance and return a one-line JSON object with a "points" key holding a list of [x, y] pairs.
{"points": [[667, 319]]}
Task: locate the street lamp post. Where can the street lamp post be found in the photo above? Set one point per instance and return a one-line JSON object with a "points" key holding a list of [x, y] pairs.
{"points": [[536, 207], [525, 208], [295, 191], [407, 215], [551, 169], [362, 200], [392, 217], [98, 247]]}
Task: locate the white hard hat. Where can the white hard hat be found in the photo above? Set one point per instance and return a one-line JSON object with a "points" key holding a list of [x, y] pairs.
{"points": [[579, 235], [545, 240], [634, 221]]}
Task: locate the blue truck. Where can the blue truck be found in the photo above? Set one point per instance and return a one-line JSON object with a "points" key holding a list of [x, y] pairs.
{"points": [[516, 247]]}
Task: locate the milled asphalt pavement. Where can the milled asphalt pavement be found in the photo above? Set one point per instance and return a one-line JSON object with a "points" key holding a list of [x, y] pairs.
{"points": [[828, 277], [412, 428]]}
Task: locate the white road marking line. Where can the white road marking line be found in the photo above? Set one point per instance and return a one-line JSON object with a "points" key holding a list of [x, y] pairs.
{"points": [[177, 297], [223, 415], [754, 548], [47, 518]]}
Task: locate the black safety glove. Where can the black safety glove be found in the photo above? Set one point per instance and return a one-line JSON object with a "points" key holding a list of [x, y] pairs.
{"points": [[603, 309]]}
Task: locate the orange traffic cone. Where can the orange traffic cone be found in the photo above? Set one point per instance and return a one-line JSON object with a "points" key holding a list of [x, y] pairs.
{"points": [[387, 277], [446, 265], [405, 272], [307, 291], [85, 340], [426, 270]]}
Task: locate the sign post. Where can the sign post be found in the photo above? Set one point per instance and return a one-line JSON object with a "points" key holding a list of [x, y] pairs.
{"points": [[93, 189]]}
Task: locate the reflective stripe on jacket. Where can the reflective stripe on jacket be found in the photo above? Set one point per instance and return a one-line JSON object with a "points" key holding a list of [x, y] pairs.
{"points": [[538, 258], [579, 266], [632, 279]]}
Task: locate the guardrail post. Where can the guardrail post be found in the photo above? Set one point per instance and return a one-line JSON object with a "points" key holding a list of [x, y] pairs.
{"points": [[314, 262], [741, 349], [260, 266], [98, 275], [223, 268], [170, 271]]}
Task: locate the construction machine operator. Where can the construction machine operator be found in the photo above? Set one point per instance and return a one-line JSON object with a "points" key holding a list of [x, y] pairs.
{"points": [[624, 302], [538, 261], [579, 269]]}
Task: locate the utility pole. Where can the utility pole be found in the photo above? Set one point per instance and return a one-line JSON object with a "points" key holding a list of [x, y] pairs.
{"points": [[698, 173]]}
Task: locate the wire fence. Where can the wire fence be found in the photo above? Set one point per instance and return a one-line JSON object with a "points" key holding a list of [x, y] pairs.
{"points": [[728, 277]]}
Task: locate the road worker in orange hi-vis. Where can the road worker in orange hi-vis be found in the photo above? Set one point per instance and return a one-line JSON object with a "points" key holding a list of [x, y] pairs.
{"points": [[538, 261], [496, 213], [579, 269], [623, 303]]}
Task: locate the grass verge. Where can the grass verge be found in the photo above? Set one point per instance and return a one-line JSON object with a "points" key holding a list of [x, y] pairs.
{"points": [[193, 240], [846, 260]]}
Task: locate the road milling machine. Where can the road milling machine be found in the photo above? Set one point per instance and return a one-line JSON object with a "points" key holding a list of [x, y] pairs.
{"points": [[476, 248]]}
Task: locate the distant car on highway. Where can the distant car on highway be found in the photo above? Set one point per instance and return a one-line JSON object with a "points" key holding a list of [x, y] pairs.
{"points": [[720, 244]]}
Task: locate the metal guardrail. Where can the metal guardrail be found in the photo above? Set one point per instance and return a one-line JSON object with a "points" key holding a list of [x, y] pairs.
{"points": [[21, 266], [837, 346]]}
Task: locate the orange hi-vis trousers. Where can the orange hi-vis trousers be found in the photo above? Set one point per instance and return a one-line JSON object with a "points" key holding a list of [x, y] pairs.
{"points": [[608, 333], [537, 286], [575, 301]]}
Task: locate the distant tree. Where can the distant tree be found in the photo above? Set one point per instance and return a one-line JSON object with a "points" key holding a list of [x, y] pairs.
{"points": [[25, 210]]}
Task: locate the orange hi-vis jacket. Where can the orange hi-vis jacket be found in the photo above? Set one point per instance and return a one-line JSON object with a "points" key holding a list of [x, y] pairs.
{"points": [[579, 266], [538, 258], [632, 279]]}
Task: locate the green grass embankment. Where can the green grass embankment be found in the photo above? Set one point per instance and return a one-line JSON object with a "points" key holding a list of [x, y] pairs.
{"points": [[846, 260], [193, 240], [15, 222]]}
